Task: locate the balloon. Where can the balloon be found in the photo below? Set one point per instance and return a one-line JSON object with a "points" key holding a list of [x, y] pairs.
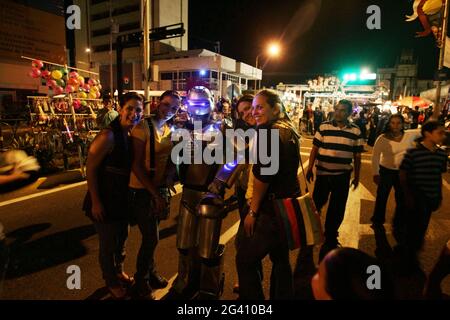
{"points": [[45, 74], [92, 82], [58, 90], [80, 80], [35, 73], [92, 95], [87, 87], [37, 64], [60, 82], [69, 88], [82, 95], [94, 89], [72, 81], [99, 86], [56, 74], [51, 83], [76, 104], [84, 103], [73, 74], [97, 95]]}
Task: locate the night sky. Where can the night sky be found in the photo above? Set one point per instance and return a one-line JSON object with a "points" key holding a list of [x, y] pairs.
{"points": [[319, 36]]}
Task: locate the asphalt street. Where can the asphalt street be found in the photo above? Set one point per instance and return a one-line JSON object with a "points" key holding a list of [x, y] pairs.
{"points": [[47, 232]]}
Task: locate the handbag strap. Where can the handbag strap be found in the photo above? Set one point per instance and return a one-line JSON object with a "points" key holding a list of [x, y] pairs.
{"points": [[152, 147], [303, 170]]}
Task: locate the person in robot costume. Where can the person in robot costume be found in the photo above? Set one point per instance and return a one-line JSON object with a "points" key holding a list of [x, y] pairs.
{"points": [[202, 206]]}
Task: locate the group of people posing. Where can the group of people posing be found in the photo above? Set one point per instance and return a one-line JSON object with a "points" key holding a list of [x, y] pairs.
{"points": [[129, 173]]}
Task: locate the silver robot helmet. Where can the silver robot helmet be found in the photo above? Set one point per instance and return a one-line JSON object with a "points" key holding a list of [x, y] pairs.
{"points": [[200, 103]]}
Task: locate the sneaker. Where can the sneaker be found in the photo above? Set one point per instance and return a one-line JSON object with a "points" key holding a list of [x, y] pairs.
{"points": [[157, 281]]}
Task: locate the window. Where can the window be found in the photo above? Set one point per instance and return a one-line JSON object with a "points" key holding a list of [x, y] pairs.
{"points": [[166, 76], [115, 12], [204, 74], [185, 75], [214, 74], [123, 27]]}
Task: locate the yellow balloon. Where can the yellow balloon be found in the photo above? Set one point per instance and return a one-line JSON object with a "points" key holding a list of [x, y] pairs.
{"points": [[94, 89], [80, 79], [56, 74], [92, 95], [82, 95]]}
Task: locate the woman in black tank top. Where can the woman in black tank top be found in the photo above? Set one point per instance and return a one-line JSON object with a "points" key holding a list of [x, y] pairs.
{"points": [[108, 174]]}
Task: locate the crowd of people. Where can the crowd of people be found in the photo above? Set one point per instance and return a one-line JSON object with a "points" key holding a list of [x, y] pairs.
{"points": [[128, 166], [130, 174]]}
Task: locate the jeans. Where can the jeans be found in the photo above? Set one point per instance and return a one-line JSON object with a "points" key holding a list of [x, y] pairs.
{"points": [[388, 179], [410, 225], [112, 238], [337, 186], [148, 223], [265, 240]]}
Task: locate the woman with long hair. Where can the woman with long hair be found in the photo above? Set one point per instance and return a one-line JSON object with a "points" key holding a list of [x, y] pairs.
{"points": [[260, 235], [388, 152]]}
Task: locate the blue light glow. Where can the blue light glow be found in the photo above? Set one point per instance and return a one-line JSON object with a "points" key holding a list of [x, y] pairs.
{"points": [[230, 166], [202, 72]]}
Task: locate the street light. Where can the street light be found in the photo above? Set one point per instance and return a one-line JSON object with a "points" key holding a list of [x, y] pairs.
{"points": [[273, 50]]}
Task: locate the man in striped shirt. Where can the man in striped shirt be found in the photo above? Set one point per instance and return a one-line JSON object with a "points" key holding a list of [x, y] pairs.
{"points": [[421, 181], [336, 144]]}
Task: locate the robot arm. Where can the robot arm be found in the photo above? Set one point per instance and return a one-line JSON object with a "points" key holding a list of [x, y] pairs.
{"points": [[226, 177]]}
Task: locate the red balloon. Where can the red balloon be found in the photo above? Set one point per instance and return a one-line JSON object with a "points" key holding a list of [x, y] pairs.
{"points": [[51, 83], [58, 90], [45, 74], [87, 87], [69, 88], [73, 81], [37, 64], [76, 104], [73, 74], [35, 73]]}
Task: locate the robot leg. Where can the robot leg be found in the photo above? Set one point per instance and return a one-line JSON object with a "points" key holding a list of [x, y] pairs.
{"points": [[209, 249], [187, 239]]}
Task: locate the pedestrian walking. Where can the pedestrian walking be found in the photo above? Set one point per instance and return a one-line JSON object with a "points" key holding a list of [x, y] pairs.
{"points": [[421, 181], [335, 146], [387, 155]]}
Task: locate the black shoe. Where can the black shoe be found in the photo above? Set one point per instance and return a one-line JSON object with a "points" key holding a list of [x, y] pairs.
{"points": [[157, 281]]}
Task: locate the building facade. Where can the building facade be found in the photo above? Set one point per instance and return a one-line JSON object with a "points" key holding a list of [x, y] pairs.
{"points": [[402, 79], [224, 76], [103, 20]]}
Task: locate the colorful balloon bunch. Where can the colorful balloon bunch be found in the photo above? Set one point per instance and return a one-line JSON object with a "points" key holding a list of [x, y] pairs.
{"points": [[60, 81]]}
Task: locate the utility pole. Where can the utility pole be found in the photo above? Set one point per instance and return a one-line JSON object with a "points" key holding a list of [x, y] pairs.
{"points": [[146, 31], [111, 76], [437, 107]]}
